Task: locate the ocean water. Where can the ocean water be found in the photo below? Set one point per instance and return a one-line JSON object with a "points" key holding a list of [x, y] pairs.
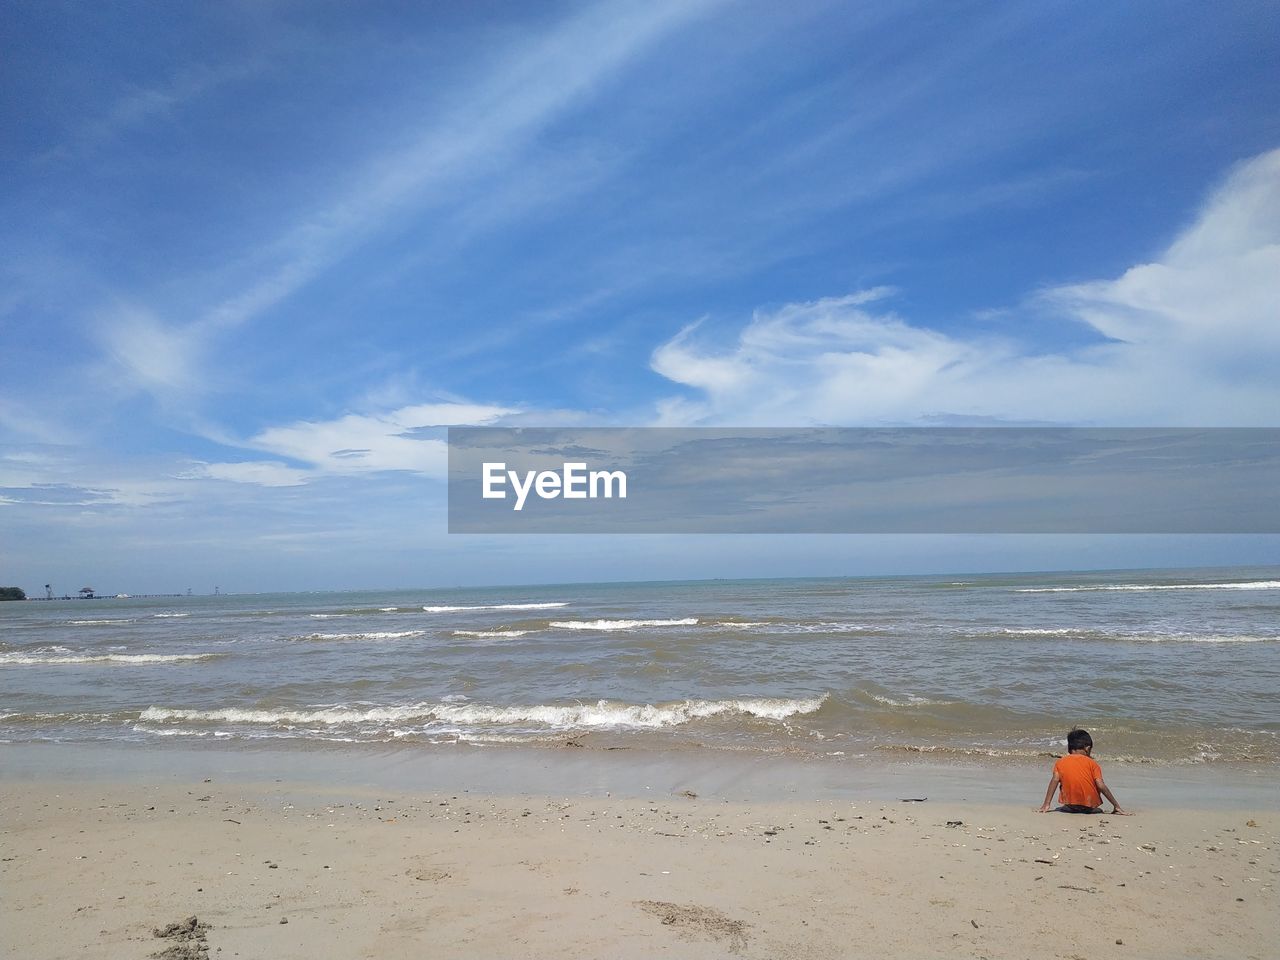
{"points": [[1163, 667]]}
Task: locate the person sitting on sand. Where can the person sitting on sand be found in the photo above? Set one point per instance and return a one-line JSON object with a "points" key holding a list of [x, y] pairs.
{"points": [[1080, 778]]}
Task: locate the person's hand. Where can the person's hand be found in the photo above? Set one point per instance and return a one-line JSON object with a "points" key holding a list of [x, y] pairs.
{"points": [[1043, 809], [1117, 812]]}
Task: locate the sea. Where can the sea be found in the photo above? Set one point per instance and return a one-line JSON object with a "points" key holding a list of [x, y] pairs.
{"points": [[1166, 667]]}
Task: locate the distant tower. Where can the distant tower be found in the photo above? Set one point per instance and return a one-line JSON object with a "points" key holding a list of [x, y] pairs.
{"points": [[48, 592], [216, 591], [188, 591]]}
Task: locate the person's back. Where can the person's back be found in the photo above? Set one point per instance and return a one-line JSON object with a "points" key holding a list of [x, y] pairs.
{"points": [[1078, 778], [1077, 775]]}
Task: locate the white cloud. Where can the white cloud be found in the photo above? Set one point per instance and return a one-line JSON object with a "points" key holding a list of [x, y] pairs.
{"points": [[1192, 338], [480, 133], [264, 473], [138, 105], [364, 443], [152, 355], [535, 83]]}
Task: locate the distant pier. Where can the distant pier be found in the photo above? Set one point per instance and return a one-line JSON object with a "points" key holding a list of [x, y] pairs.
{"points": [[132, 596]]}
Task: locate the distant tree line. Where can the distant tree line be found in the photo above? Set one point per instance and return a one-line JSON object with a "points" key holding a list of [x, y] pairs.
{"points": [[12, 593]]}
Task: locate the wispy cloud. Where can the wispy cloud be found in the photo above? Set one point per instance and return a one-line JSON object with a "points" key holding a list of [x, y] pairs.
{"points": [[264, 473], [1191, 338], [361, 443], [139, 105], [479, 134], [156, 356], [532, 86]]}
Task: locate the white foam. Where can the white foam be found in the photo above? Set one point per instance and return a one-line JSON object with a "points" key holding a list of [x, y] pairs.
{"points": [[1197, 638], [326, 715], [601, 714], [607, 713], [621, 624], [1145, 637], [85, 623], [379, 635], [171, 732], [135, 658], [169, 616], [388, 609], [910, 701], [1244, 585], [498, 606], [489, 633], [1040, 631], [821, 626]]}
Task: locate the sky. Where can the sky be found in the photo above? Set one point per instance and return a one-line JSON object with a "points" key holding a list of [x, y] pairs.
{"points": [[258, 255]]}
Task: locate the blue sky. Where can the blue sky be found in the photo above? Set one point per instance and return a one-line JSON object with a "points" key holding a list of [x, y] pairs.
{"points": [[257, 255]]}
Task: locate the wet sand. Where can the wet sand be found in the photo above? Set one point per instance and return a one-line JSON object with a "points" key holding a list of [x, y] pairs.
{"points": [[97, 868]]}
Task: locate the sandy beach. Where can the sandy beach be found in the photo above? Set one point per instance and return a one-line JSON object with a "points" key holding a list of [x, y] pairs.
{"points": [[94, 869]]}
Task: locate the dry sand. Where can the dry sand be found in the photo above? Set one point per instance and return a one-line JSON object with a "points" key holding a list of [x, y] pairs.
{"points": [[273, 871]]}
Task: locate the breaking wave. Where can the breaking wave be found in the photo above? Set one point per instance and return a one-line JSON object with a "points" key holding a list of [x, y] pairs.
{"points": [[621, 624], [379, 635], [498, 606], [28, 659], [598, 715], [1084, 633], [1243, 585]]}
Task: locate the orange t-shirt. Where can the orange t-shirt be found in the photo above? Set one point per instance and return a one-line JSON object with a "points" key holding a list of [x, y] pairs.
{"points": [[1077, 771]]}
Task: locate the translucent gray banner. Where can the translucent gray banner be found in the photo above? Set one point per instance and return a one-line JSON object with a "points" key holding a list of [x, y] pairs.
{"points": [[846, 480]]}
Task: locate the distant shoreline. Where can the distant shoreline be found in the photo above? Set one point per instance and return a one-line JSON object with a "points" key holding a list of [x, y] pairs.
{"points": [[130, 596]]}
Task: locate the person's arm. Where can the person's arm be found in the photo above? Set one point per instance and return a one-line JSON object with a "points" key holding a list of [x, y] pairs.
{"points": [[1102, 789], [1054, 780]]}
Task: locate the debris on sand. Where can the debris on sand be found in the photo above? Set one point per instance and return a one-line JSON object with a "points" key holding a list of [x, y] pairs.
{"points": [[697, 920], [189, 940]]}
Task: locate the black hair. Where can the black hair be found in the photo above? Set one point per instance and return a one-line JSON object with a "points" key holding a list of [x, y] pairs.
{"points": [[1078, 739]]}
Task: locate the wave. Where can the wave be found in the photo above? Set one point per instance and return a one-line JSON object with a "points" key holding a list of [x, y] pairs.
{"points": [[85, 623], [1242, 585], [1196, 638], [28, 659], [1204, 754], [621, 624], [498, 606], [490, 633], [379, 635], [910, 700], [1084, 633], [601, 714], [326, 715], [1040, 631], [361, 612], [169, 616], [999, 753]]}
